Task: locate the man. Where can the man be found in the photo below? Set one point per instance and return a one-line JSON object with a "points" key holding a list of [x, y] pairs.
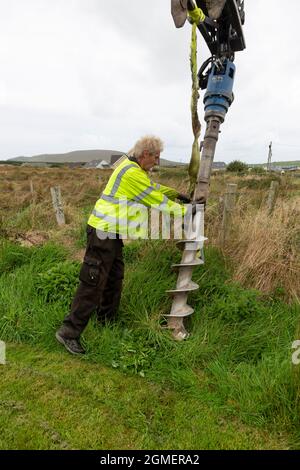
{"points": [[117, 213]]}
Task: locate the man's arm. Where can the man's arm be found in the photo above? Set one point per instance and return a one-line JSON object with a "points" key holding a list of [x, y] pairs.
{"points": [[143, 191], [169, 192]]}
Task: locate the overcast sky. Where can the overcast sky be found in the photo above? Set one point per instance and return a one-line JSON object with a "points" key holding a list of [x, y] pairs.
{"points": [[93, 74]]}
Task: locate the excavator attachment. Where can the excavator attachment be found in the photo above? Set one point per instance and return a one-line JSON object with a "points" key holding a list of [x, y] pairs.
{"points": [[220, 23], [222, 30]]}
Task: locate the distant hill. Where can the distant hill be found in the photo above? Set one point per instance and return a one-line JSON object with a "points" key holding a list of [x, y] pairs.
{"points": [[79, 156]]}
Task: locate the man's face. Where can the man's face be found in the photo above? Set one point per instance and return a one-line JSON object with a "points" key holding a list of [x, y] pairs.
{"points": [[149, 160]]}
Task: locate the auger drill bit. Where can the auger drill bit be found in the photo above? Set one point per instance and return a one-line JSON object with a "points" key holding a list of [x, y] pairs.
{"points": [[217, 100], [191, 247]]}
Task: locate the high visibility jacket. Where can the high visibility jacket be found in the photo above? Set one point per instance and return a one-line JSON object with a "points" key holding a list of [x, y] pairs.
{"points": [[123, 205]]}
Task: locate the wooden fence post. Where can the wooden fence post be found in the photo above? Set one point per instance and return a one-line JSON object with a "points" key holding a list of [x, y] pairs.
{"points": [[31, 187], [272, 196], [57, 204], [229, 206], [2, 353]]}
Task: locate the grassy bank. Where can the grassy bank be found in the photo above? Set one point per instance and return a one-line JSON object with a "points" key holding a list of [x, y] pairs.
{"points": [[237, 362], [44, 405]]}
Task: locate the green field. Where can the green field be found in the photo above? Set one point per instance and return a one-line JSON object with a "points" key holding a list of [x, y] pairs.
{"points": [[230, 386], [49, 400], [290, 163]]}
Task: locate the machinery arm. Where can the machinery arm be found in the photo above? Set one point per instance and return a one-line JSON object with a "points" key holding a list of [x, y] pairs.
{"points": [[222, 30], [230, 16]]}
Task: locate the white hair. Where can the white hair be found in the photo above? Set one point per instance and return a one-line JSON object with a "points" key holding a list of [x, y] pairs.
{"points": [[148, 142]]}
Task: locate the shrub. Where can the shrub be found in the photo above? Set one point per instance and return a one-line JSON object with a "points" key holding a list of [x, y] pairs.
{"points": [[258, 170], [237, 167], [58, 283], [234, 304], [133, 354]]}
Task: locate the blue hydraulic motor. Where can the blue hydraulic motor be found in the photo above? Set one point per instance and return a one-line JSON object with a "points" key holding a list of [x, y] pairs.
{"points": [[219, 95], [217, 100]]}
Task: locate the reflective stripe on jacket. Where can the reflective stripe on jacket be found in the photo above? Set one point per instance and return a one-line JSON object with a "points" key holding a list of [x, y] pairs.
{"points": [[126, 197]]}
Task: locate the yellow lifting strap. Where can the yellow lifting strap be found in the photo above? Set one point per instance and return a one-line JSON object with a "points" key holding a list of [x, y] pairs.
{"points": [[195, 156], [196, 16]]}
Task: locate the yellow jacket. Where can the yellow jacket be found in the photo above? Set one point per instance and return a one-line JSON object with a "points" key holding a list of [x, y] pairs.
{"points": [[123, 205]]}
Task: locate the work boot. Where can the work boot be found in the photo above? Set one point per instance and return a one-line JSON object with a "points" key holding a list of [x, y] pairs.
{"points": [[179, 12], [215, 8], [71, 344]]}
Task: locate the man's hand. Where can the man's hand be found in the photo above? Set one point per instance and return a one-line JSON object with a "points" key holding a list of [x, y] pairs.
{"points": [[184, 198], [201, 200]]}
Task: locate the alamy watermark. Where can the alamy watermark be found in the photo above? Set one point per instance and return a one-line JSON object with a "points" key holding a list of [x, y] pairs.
{"points": [[133, 220], [296, 354], [2, 353]]}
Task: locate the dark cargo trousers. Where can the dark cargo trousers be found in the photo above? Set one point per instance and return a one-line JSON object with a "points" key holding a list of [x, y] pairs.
{"points": [[100, 285]]}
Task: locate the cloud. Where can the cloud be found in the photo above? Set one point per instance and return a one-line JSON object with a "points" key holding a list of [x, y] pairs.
{"points": [[91, 74]]}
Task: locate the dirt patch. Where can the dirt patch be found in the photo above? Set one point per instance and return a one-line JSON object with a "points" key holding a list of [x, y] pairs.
{"points": [[32, 238]]}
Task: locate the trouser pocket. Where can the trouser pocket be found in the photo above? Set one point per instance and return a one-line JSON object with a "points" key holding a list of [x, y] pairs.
{"points": [[90, 271]]}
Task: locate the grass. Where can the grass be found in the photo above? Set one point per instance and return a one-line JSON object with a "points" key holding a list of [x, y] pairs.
{"points": [[45, 405], [234, 374], [236, 365], [265, 249], [30, 216]]}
